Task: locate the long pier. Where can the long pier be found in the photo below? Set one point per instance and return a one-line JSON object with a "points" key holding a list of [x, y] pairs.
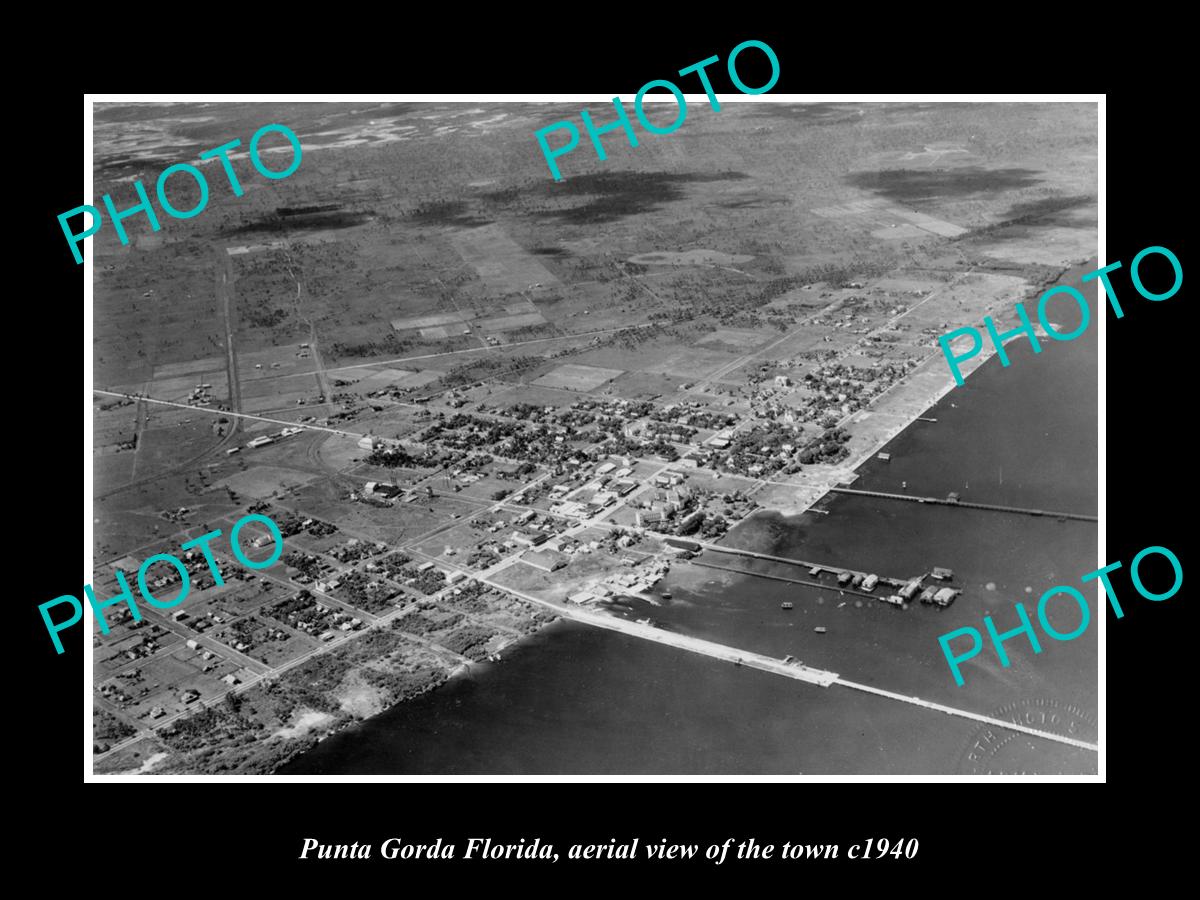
{"points": [[942, 501], [746, 658], [764, 663], [967, 714]]}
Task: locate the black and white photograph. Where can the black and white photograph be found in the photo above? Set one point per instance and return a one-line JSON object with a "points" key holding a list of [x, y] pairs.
{"points": [[697, 434]]}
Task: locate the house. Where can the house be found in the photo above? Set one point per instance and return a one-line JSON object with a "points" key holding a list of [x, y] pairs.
{"points": [[368, 442]]}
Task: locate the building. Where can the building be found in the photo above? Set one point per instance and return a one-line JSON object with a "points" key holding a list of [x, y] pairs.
{"points": [[782, 381], [945, 596], [869, 582], [368, 442], [647, 519], [681, 544], [546, 560]]}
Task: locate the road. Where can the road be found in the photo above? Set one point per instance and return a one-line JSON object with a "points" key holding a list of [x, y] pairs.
{"points": [[222, 412], [225, 301], [314, 344]]}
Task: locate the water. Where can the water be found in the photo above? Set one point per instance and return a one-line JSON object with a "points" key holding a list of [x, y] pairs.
{"points": [[584, 701]]}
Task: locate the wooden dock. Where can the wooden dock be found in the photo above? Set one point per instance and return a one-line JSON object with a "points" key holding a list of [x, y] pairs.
{"points": [[834, 570]]}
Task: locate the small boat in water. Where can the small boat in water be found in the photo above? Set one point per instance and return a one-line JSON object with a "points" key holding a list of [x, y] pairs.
{"points": [[786, 604], [820, 629], [666, 595]]}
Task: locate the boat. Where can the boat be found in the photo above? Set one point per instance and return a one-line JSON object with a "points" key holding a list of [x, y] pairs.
{"points": [[786, 604], [666, 595], [737, 662], [820, 629], [843, 603]]}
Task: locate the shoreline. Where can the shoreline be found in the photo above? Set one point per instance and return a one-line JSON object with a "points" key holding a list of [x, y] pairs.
{"points": [[462, 669], [807, 495], [160, 752]]}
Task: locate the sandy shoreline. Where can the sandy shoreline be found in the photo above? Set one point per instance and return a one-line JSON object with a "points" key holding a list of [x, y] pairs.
{"points": [[888, 415]]}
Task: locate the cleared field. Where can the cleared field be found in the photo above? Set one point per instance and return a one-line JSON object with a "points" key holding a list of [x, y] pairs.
{"points": [[690, 258], [187, 367], [263, 481], [507, 323], [274, 362], [887, 216], [501, 263], [255, 248], [577, 378], [399, 378], [734, 339], [178, 388], [432, 321], [281, 401], [687, 362]]}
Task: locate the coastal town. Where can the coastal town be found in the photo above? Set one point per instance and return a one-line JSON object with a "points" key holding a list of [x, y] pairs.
{"points": [[504, 430]]}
